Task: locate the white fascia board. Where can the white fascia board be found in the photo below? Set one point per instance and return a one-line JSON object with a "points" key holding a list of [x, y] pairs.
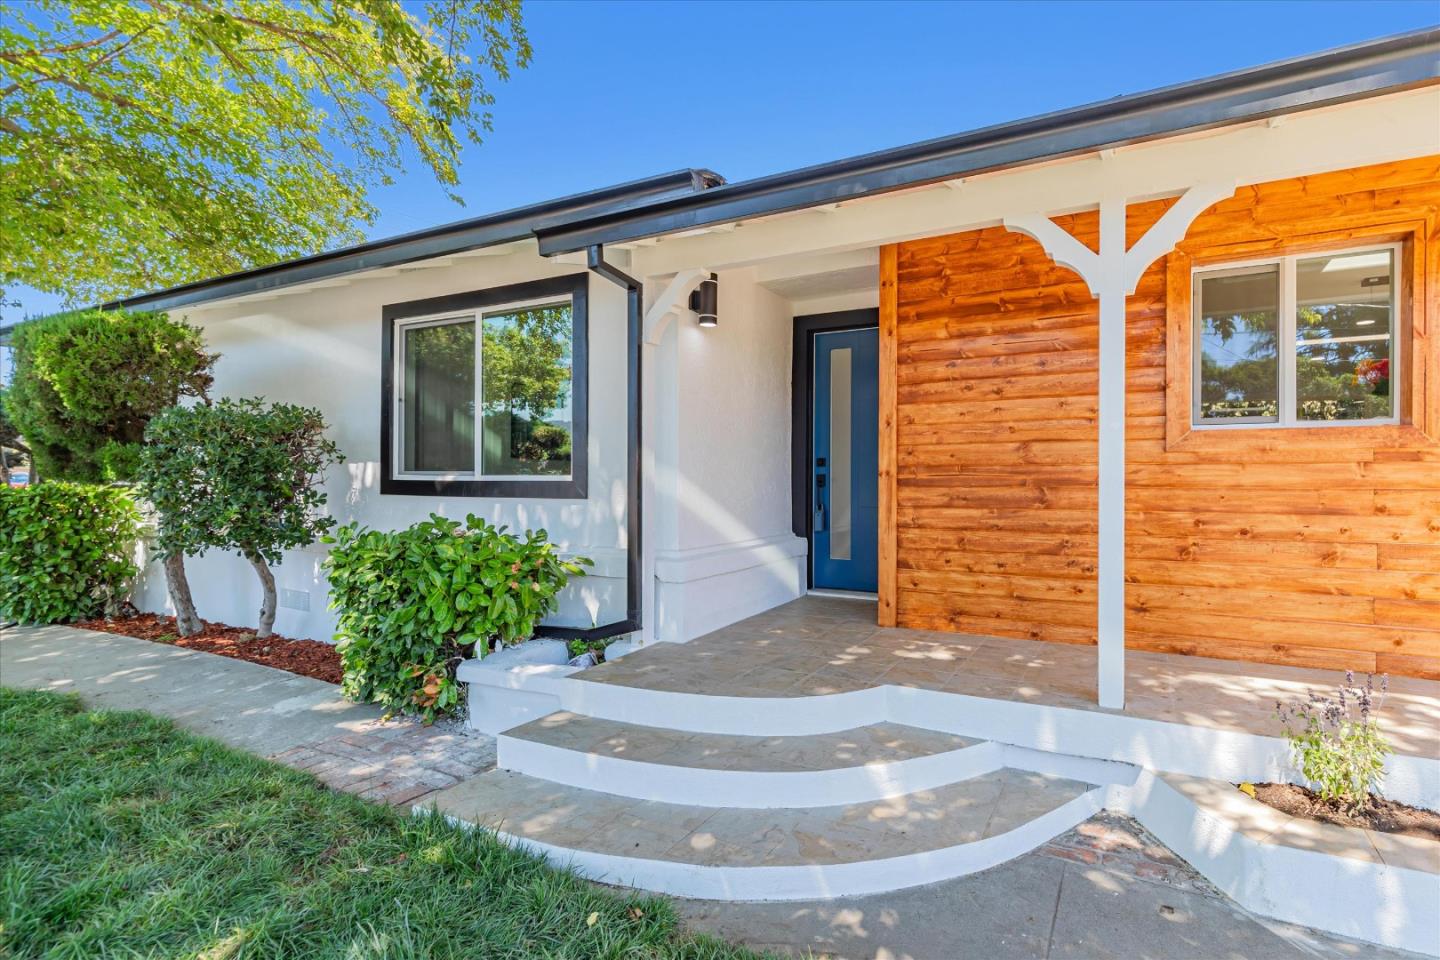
{"points": [[1396, 127]]}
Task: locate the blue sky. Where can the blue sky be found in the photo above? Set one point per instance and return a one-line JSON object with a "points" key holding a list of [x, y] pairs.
{"points": [[619, 91]]}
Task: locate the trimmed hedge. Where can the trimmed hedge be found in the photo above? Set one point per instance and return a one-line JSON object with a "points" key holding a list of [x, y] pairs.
{"points": [[413, 603], [66, 551]]}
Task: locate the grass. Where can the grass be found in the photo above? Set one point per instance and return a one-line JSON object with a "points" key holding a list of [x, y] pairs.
{"points": [[121, 836]]}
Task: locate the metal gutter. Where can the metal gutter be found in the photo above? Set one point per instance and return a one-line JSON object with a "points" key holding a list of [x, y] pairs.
{"points": [[507, 226], [1257, 93], [634, 397]]}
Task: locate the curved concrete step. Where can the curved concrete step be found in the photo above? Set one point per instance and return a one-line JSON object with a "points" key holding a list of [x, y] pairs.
{"points": [[730, 770], [778, 854]]}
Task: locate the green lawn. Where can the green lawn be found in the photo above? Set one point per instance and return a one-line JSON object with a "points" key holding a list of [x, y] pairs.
{"points": [[121, 836]]}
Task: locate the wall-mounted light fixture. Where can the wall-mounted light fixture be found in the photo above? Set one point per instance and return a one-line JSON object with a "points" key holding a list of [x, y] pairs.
{"points": [[705, 301]]}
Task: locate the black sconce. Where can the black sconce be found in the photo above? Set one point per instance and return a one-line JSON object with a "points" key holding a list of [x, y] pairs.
{"points": [[705, 300]]}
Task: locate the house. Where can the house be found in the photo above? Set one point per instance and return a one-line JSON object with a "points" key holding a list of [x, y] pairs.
{"points": [[1134, 408]]}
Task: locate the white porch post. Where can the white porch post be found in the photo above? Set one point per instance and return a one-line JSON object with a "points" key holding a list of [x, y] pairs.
{"points": [[1112, 276], [1111, 460], [670, 303]]}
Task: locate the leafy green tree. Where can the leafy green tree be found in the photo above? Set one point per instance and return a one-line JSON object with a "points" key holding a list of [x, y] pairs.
{"points": [[525, 362], [525, 377], [87, 383], [239, 475], [149, 143]]}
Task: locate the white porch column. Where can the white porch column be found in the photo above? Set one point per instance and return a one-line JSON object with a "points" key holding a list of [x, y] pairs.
{"points": [[1112, 275], [1110, 290], [670, 303]]}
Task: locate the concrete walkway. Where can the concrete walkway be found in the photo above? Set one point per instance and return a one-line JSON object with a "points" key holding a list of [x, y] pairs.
{"points": [[1104, 890], [299, 721]]}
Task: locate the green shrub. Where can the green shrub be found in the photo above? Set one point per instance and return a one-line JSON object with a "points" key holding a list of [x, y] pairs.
{"points": [[239, 475], [413, 603], [66, 551], [86, 384], [1337, 743]]}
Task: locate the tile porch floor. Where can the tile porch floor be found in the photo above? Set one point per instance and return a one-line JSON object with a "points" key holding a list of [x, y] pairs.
{"points": [[819, 645]]}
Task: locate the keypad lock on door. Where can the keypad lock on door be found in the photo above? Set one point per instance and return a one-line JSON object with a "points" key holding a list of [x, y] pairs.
{"points": [[819, 495]]}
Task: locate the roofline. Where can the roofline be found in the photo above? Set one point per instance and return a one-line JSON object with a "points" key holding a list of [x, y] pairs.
{"points": [[463, 235], [694, 198], [1331, 77]]}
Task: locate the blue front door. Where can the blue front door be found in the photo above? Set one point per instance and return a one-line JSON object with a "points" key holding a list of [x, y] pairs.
{"points": [[845, 468]]}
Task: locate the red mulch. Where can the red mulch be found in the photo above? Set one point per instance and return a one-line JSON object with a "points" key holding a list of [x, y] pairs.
{"points": [[1381, 814], [309, 658]]}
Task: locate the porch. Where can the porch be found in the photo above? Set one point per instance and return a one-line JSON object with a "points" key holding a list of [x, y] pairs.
{"points": [[806, 753], [817, 646]]}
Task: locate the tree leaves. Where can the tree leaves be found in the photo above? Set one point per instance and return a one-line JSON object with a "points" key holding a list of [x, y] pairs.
{"points": [[87, 383], [238, 475], [146, 144]]}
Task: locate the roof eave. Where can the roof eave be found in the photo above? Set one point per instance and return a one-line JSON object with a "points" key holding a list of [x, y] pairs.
{"points": [[1319, 80], [448, 239]]}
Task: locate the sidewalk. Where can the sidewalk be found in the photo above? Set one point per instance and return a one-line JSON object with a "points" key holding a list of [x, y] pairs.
{"points": [[301, 722]]}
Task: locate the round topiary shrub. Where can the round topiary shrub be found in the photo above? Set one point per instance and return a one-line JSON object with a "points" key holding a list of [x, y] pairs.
{"points": [[67, 551], [414, 603]]}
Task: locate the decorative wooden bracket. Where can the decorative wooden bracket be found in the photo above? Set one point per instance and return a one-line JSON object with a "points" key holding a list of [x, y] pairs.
{"points": [[1112, 275], [670, 303]]}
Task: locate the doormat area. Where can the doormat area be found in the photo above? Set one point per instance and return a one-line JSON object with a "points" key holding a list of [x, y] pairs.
{"points": [[308, 658]]}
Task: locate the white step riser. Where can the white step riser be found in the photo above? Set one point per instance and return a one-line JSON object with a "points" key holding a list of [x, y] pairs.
{"points": [[817, 881], [706, 713], [1194, 750], [750, 789]]}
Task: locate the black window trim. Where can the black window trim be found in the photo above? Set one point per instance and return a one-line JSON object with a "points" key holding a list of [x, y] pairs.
{"points": [[576, 486]]}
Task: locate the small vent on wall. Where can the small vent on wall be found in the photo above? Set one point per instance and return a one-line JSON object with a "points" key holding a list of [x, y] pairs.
{"points": [[295, 599]]}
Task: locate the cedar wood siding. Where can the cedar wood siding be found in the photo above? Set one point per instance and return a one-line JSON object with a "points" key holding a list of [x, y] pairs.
{"points": [[1316, 547]]}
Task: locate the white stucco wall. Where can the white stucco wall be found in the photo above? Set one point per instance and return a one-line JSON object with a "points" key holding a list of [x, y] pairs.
{"points": [[734, 408], [322, 349], [724, 547]]}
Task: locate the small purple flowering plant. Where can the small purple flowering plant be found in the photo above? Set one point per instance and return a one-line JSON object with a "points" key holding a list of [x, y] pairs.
{"points": [[1336, 740]]}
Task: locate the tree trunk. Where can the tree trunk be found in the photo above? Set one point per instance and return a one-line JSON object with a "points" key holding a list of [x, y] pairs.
{"points": [[267, 603], [187, 621]]}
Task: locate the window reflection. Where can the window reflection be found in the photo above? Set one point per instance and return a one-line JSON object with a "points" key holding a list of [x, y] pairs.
{"points": [[1239, 336], [526, 385], [1344, 321]]}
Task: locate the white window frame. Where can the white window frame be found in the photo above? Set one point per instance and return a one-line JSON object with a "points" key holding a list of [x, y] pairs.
{"points": [[1288, 417], [477, 316]]}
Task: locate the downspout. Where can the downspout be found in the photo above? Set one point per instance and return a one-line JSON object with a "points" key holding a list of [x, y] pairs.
{"points": [[635, 316]]}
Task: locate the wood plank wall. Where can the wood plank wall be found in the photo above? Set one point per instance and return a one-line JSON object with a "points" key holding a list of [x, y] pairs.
{"points": [[1306, 552]]}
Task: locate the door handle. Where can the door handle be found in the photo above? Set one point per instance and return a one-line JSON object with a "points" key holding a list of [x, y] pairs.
{"points": [[819, 502]]}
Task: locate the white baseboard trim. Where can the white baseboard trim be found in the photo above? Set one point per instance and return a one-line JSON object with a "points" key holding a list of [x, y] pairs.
{"points": [[699, 563]]}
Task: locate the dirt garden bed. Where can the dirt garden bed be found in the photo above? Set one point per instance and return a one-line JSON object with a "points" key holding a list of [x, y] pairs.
{"points": [[1383, 815], [308, 658]]}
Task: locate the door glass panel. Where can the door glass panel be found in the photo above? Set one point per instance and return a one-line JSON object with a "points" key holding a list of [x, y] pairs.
{"points": [[1344, 325], [840, 390]]}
